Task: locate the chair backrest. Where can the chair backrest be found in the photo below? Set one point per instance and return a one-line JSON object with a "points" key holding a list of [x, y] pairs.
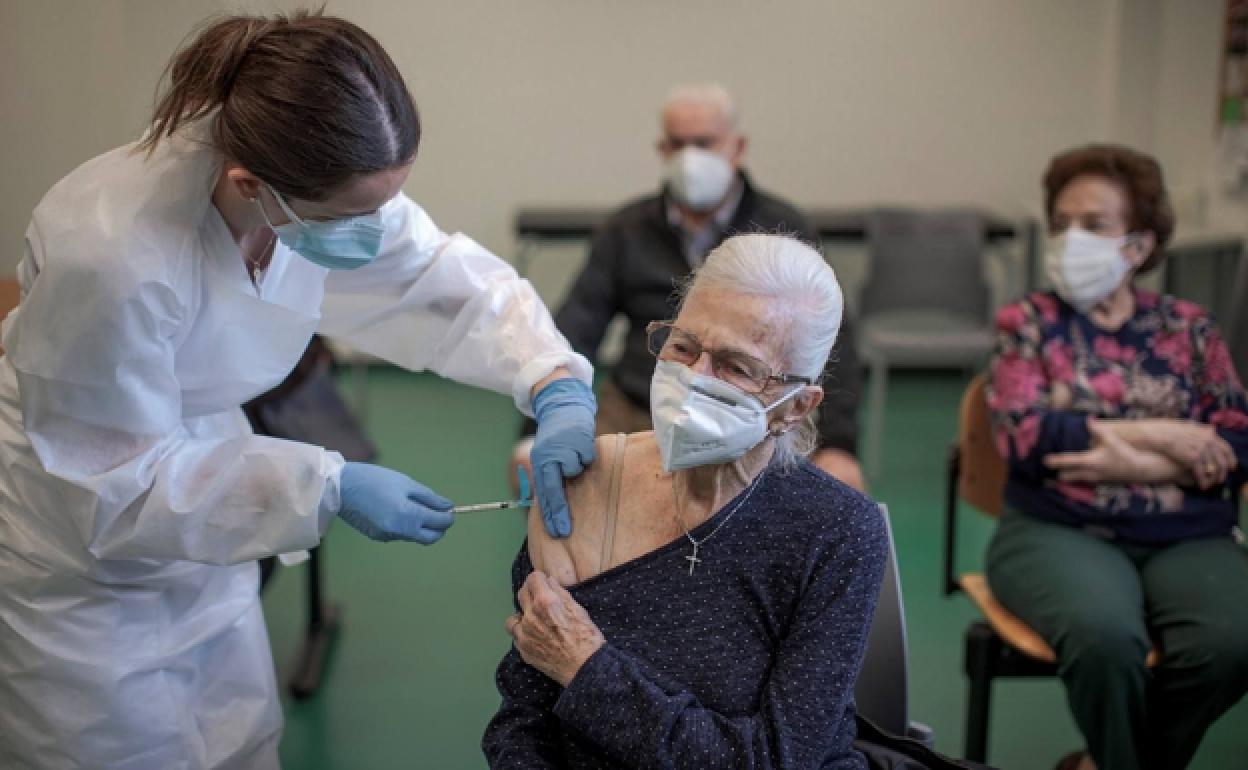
{"points": [[1236, 329], [981, 468], [881, 693], [925, 260]]}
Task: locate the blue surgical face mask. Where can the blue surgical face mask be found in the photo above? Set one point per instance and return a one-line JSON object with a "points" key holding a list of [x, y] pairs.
{"points": [[338, 244]]}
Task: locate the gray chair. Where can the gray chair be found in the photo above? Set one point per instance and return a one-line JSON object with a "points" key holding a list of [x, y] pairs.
{"points": [[1236, 329], [882, 691], [925, 302]]}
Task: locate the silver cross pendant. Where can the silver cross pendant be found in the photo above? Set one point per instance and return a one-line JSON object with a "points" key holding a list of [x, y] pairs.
{"points": [[693, 558]]}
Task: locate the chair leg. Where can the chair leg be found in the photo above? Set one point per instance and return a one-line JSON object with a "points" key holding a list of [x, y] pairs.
{"points": [[324, 621], [875, 414], [981, 650]]}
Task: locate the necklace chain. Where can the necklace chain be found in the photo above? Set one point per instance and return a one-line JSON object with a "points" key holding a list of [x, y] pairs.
{"points": [[693, 558], [256, 272]]}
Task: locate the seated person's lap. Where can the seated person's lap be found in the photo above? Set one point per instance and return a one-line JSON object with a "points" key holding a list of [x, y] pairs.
{"points": [[1065, 582]]}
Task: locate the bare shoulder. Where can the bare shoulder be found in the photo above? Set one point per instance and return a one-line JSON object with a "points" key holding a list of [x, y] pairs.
{"points": [[574, 558]]}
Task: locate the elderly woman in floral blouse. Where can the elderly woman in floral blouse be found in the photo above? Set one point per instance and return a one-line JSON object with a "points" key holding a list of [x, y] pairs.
{"points": [[1126, 433]]}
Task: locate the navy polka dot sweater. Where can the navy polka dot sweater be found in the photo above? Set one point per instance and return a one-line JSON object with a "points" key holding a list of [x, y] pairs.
{"points": [[748, 663]]}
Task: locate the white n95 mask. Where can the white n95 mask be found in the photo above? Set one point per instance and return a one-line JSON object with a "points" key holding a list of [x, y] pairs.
{"points": [[1085, 268], [699, 178], [700, 420]]}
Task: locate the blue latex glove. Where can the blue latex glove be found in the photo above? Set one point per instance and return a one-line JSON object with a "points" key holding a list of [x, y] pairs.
{"points": [[386, 505], [564, 445]]}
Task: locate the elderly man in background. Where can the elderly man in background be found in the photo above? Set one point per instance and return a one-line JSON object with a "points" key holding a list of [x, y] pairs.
{"points": [[650, 245]]}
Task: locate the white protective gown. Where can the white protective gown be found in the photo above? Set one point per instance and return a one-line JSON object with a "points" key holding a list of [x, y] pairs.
{"points": [[134, 498]]}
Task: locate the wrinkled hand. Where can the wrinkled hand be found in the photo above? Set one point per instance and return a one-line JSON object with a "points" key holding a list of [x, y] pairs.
{"points": [[385, 505], [1198, 447], [563, 446], [1110, 459], [552, 632]]}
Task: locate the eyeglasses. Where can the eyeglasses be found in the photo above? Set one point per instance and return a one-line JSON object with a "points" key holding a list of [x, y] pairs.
{"points": [[668, 342]]}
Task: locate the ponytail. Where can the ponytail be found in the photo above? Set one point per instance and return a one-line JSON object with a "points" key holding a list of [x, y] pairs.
{"points": [[304, 101], [201, 74]]}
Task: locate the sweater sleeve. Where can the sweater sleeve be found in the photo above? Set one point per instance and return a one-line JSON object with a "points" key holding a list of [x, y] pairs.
{"points": [[594, 298], [93, 348], [1219, 394], [1020, 394], [524, 734], [444, 303], [837, 419], [806, 707]]}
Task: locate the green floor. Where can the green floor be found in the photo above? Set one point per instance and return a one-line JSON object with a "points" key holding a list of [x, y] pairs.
{"points": [[411, 683]]}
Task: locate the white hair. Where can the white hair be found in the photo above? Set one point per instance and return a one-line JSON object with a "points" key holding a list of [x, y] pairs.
{"points": [[710, 94], [804, 286]]}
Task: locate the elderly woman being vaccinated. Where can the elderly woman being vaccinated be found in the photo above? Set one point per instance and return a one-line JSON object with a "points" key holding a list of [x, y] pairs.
{"points": [[719, 587]]}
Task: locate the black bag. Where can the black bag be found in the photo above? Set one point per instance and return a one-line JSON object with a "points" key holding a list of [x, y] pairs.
{"points": [[307, 407], [885, 751]]}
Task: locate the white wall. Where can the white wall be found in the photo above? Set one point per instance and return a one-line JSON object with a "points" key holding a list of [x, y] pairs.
{"points": [[554, 101], [76, 78], [1187, 93]]}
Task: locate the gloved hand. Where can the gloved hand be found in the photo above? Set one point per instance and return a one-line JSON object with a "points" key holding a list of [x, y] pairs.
{"points": [[385, 505], [564, 445]]}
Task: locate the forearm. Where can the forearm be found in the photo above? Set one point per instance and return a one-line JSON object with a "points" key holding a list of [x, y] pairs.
{"points": [[1149, 434], [1149, 467]]}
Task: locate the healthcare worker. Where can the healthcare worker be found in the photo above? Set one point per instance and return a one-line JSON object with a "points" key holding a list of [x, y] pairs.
{"points": [[165, 283]]}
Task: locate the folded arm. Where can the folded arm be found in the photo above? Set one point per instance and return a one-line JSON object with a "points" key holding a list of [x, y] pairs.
{"points": [[1112, 460], [1212, 446]]}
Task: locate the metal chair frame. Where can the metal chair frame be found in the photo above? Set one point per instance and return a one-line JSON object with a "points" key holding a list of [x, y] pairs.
{"points": [[986, 656]]}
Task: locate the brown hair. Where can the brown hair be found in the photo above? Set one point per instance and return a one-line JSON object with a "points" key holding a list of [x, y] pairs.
{"points": [[304, 101], [1139, 175]]}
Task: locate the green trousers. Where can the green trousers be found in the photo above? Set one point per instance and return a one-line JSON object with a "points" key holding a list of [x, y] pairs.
{"points": [[1102, 606]]}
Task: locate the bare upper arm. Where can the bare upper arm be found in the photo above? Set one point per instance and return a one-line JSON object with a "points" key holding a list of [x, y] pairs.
{"points": [[576, 557]]}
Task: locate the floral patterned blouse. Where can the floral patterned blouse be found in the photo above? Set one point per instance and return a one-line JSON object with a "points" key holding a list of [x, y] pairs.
{"points": [[1053, 368]]}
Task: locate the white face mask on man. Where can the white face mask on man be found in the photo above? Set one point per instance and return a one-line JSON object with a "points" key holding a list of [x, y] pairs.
{"points": [[698, 178], [701, 420], [1086, 268]]}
